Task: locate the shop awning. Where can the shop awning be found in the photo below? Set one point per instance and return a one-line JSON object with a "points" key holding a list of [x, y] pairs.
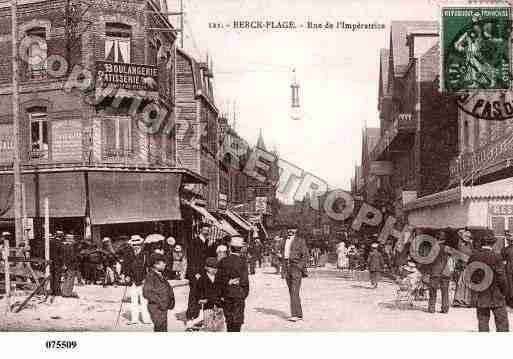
{"points": [[205, 214], [121, 197], [496, 189], [239, 221], [228, 228], [65, 192]]}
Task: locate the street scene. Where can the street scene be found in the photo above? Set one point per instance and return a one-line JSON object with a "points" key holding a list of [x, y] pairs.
{"points": [[224, 166]]}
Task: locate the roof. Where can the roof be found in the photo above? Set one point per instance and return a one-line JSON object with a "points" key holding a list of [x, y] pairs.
{"points": [[260, 142], [398, 33], [384, 55]]}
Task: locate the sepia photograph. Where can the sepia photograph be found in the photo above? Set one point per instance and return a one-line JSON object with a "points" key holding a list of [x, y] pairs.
{"points": [[255, 166]]}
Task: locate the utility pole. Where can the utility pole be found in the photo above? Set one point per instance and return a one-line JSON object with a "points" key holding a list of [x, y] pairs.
{"points": [[181, 24], [16, 128]]}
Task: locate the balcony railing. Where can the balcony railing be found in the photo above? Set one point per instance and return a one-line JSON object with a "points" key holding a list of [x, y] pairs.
{"points": [[394, 137]]}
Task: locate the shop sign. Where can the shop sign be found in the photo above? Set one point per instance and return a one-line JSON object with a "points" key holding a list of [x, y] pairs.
{"points": [[463, 166], [381, 168], [131, 77], [501, 209], [223, 201]]}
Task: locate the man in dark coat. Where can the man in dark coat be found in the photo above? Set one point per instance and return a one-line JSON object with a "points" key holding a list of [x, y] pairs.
{"points": [[439, 277], [71, 263], [198, 250], [158, 292], [295, 258], [493, 297], [233, 284]]}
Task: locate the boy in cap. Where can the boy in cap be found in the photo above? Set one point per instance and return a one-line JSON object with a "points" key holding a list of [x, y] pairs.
{"points": [[158, 292], [376, 264], [232, 283]]}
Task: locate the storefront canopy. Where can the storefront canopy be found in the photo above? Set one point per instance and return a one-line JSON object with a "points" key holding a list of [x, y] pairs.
{"points": [[126, 197], [239, 221], [65, 192]]}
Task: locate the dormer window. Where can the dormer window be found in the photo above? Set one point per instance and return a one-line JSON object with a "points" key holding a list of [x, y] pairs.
{"points": [[117, 42]]}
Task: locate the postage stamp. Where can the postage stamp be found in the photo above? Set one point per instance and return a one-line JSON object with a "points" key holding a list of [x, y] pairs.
{"points": [[475, 48]]}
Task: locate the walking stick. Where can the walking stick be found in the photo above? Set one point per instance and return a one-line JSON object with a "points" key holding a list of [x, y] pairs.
{"points": [[121, 305]]}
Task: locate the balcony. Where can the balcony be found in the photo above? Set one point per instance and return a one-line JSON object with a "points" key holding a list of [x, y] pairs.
{"points": [[397, 137]]}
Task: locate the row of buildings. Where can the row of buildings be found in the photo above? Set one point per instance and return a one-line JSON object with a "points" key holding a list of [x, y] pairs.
{"points": [[102, 174], [429, 163]]}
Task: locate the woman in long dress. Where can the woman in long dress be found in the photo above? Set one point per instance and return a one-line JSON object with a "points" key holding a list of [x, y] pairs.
{"points": [[342, 261]]}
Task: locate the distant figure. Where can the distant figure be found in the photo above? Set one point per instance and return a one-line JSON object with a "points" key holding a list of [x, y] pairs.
{"points": [[376, 265], [342, 261]]}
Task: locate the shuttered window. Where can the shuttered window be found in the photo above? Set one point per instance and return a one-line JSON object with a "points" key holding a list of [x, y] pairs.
{"points": [[38, 133], [117, 137]]}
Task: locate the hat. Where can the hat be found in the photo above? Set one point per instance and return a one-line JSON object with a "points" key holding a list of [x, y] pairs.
{"points": [[106, 239], [6, 234], [159, 251], [136, 240], [211, 262], [156, 257], [221, 248], [374, 245], [237, 242], [465, 235], [171, 241], [178, 248]]}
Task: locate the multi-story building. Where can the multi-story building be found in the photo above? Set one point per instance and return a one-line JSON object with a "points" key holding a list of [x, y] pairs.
{"points": [[418, 125], [103, 169], [198, 124]]}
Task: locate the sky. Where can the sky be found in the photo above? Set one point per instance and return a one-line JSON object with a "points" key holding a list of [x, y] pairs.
{"points": [[337, 71]]}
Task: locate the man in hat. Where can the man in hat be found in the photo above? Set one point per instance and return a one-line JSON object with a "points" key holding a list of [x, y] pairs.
{"points": [[492, 298], [295, 258], [199, 248], [440, 276], [137, 262], [376, 264], [233, 284], [221, 252], [158, 292]]}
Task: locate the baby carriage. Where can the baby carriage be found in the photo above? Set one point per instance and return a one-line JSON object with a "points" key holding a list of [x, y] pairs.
{"points": [[410, 288], [212, 320]]}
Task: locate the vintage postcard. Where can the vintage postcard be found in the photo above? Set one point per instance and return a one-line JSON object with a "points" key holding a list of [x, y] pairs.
{"points": [[255, 166]]}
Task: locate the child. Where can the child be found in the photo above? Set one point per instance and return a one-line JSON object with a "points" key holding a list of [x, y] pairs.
{"points": [[376, 265], [158, 292], [209, 299]]}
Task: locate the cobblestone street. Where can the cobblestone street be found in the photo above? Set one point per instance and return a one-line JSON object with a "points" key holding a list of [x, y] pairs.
{"points": [[330, 303]]}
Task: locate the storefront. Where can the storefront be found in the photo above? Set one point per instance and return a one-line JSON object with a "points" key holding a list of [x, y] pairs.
{"points": [[98, 202], [488, 205]]}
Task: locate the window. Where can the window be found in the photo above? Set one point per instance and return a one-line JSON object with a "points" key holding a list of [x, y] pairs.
{"points": [[37, 54], [38, 133], [117, 43], [118, 137]]}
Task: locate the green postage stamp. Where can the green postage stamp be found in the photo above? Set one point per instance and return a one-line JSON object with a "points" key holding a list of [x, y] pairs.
{"points": [[475, 48]]}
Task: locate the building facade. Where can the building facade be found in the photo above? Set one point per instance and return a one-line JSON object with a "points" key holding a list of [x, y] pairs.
{"points": [[91, 139]]}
